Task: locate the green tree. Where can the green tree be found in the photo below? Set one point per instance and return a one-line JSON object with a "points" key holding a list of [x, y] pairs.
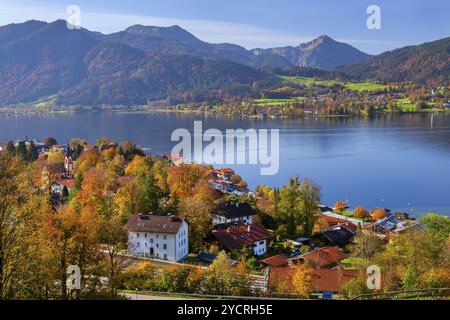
{"points": [[32, 153], [298, 206], [11, 149], [22, 151]]}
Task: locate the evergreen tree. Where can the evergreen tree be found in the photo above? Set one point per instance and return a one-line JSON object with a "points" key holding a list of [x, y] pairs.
{"points": [[11, 149], [32, 153], [22, 151]]}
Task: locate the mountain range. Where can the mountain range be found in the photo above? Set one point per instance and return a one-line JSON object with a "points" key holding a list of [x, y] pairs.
{"points": [[40, 60]]}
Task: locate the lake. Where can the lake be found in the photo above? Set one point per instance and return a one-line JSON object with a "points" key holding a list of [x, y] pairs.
{"points": [[399, 162]]}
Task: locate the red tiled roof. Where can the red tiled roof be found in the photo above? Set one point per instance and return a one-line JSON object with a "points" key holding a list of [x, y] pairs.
{"points": [[236, 237], [280, 260], [69, 183], [223, 170], [323, 257], [322, 279], [125, 179], [334, 221]]}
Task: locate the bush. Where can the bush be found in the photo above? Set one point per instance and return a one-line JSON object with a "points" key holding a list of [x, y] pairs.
{"points": [[141, 276]]}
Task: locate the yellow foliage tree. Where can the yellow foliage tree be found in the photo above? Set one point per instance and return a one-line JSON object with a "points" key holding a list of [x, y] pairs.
{"points": [[302, 281], [361, 212], [339, 206], [56, 157], [378, 214]]}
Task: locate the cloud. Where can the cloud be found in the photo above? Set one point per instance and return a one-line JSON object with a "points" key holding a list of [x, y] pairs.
{"points": [[249, 36]]}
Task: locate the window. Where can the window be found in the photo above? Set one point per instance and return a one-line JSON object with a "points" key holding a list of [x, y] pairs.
{"points": [[157, 236], [165, 237], [138, 244], [145, 235], [165, 256], [137, 235], [261, 242], [157, 245], [151, 240], [146, 244], [165, 246]]}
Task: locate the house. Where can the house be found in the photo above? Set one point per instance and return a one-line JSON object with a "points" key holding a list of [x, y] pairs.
{"points": [[160, 237], [338, 217], [254, 237], [339, 222], [323, 280], [3, 145], [223, 174], [280, 260], [57, 186], [233, 212], [390, 226], [338, 236], [327, 258]]}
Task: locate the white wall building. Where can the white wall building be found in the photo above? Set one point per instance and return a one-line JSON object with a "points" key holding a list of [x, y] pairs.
{"points": [[233, 212], [160, 237]]}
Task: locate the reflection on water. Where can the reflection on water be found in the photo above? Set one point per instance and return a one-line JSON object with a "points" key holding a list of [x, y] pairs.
{"points": [[400, 161]]}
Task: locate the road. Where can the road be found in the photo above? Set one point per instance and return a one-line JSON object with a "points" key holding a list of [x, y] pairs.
{"points": [[133, 296]]}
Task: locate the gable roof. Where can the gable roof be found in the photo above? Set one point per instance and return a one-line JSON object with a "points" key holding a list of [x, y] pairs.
{"points": [[280, 260], [323, 257], [237, 236], [232, 209], [322, 279], [153, 223], [339, 236]]}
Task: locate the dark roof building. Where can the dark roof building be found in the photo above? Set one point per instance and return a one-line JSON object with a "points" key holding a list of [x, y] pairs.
{"points": [[233, 212], [338, 236], [154, 224], [232, 209]]}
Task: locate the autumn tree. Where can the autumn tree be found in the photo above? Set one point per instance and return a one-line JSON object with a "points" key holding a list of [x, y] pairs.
{"points": [[321, 225], [114, 240], [56, 157], [50, 142], [20, 208], [378, 214], [218, 277], [302, 281], [361, 213], [183, 179], [198, 212], [366, 245], [340, 206]]}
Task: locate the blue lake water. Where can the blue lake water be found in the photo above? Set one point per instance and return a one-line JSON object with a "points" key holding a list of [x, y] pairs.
{"points": [[400, 162]]}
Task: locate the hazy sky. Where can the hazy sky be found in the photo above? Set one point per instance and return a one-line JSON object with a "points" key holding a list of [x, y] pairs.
{"points": [[256, 23]]}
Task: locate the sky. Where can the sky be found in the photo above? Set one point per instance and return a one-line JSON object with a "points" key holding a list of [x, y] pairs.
{"points": [[257, 23]]}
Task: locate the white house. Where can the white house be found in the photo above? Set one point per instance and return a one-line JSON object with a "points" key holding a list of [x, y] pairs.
{"points": [[230, 212], [160, 237]]}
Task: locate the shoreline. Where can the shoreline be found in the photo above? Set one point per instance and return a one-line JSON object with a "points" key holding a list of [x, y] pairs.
{"points": [[19, 111]]}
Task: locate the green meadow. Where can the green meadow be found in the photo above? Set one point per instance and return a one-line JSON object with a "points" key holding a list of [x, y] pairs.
{"points": [[277, 102], [356, 86]]}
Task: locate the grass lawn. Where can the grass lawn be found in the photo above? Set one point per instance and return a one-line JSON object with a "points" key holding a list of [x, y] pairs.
{"points": [[351, 263], [304, 81], [365, 86], [277, 102], [356, 86]]}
